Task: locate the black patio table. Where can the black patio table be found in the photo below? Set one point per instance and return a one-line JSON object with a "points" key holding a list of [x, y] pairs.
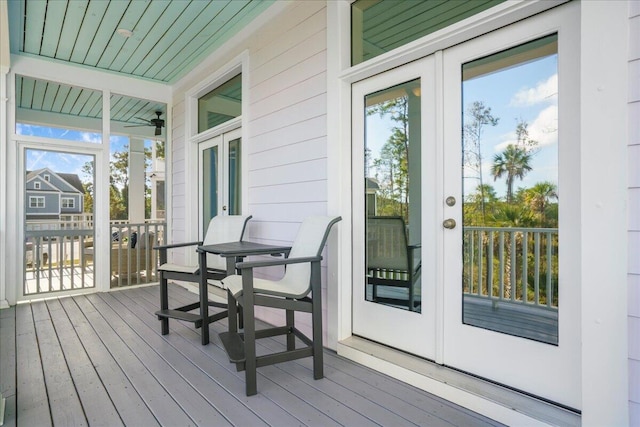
{"points": [[232, 251]]}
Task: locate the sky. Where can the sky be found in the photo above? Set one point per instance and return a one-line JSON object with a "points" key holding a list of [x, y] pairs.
{"points": [[65, 162], [526, 92]]}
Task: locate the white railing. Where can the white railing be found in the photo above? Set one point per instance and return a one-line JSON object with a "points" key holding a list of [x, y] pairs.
{"points": [[518, 265], [133, 259], [59, 255]]}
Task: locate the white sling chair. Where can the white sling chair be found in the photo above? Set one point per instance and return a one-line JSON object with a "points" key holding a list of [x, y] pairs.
{"points": [[222, 229], [298, 290]]}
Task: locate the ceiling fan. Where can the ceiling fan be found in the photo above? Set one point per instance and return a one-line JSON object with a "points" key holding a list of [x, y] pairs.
{"points": [[158, 123]]}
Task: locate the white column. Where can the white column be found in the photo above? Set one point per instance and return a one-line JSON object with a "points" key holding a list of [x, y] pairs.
{"points": [[136, 181]]}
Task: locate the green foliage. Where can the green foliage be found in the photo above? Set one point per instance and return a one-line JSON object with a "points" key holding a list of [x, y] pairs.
{"points": [[392, 167]]}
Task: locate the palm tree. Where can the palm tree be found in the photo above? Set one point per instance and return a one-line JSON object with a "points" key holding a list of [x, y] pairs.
{"points": [[539, 196], [514, 163]]}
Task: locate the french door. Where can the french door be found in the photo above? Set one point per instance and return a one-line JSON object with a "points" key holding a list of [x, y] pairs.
{"points": [[467, 210], [219, 166]]}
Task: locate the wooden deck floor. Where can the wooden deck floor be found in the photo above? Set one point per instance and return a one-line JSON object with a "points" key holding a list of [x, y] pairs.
{"points": [[100, 360]]}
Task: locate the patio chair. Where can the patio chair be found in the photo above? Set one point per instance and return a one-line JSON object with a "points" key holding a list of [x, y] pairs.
{"points": [[222, 229], [298, 290], [390, 262]]}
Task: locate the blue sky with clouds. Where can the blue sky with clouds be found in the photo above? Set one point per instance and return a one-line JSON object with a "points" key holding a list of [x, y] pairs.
{"points": [[526, 92]]}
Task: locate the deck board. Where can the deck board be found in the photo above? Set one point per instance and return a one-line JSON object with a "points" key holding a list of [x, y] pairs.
{"points": [[100, 359], [8, 363], [131, 408], [32, 401]]}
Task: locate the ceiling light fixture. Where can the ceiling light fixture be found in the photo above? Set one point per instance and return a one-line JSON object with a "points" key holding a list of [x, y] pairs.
{"points": [[124, 32]]}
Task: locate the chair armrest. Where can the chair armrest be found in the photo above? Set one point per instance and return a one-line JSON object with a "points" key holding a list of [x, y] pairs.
{"points": [[269, 263], [177, 245]]}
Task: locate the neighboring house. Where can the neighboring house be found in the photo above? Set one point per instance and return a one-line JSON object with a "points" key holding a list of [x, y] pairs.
{"points": [[290, 90], [50, 194]]}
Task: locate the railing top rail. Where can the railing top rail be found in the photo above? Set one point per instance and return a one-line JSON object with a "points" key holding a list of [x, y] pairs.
{"points": [[527, 229], [136, 224], [59, 233]]}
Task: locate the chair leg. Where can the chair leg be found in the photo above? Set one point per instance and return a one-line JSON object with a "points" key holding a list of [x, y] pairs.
{"points": [[249, 333], [291, 338], [164, 304], [204, 311], [316, 322]]}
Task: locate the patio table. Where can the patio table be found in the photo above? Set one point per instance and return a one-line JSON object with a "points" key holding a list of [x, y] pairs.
{"points": [[234, 250]]}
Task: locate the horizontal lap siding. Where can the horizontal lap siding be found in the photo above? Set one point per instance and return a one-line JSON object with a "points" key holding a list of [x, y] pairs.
{"points": [[634, 214], [286, 146]]}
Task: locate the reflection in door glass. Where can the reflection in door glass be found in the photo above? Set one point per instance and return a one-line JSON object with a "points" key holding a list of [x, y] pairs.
{"points": [[392, 196], [234, 178], [510, 189], [210, 186], [58, 229]]}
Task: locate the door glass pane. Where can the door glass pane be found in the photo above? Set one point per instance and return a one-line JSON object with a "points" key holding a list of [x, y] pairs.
{"points": [[392, 196], [58, 246], [234, 177], [221, 104], [209, 186], [510, 189]]}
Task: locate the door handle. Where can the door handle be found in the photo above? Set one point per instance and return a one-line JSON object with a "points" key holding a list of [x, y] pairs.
{"points": [[449, 223]]}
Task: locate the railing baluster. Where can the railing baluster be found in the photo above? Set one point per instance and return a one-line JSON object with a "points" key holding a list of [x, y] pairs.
{"points": [[480, 240], [501, 263], [512, 273], [490, 266], [471, 261], [536, 269], [525, 262], [549, 266]]}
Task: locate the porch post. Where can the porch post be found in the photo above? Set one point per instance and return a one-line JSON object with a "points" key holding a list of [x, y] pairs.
{"points": [[136, 181], [5, 63]]}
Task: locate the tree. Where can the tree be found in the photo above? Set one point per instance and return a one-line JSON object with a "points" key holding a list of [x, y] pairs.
{"points": [[539, 197], [88, 187], [392, 168], [479, 117], [514, 162]]}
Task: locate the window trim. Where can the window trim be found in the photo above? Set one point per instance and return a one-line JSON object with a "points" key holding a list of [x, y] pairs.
{"points": [[37, 185], [68, 199], [37, 200]]}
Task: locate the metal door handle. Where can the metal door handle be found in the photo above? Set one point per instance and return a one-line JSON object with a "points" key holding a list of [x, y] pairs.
{"points": [[449, 223]]}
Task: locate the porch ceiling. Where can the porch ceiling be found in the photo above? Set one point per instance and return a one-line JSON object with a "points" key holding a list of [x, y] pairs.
{"points": [[169, 39]]}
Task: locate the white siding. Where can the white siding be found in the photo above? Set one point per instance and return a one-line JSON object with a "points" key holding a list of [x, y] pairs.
{"points": [[286, 128], [634, 213]]}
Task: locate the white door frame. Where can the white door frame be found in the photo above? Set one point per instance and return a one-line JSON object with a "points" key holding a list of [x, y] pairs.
{"points": [[556, 375], [222, 141], [23, 143], [573, 234]]}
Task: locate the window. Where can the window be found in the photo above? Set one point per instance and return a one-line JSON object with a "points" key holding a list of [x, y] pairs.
{"points": [[47, 178], [221, 104], [36, 185], [36, 202], [68, 202], [380, 26]]}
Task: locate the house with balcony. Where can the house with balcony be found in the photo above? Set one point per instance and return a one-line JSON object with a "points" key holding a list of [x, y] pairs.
{"points": [[50, 195], [503, 137]]}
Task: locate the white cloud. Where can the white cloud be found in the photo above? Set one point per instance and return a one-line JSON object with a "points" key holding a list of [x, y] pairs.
{"points": [[544, 129], [545, 91], [91, 137]]}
